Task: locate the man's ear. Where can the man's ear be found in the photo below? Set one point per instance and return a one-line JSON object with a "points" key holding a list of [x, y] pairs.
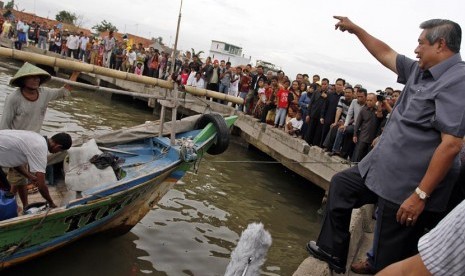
{"points": [[441, 45]]}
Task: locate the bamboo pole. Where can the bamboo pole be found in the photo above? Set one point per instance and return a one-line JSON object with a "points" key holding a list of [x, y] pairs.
{"points": [[112, 90], [82, 67], [213, 94], [89, 68]]}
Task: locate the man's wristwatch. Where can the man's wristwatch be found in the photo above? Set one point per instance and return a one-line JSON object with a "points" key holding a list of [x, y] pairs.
{"points": [[421, 194]]}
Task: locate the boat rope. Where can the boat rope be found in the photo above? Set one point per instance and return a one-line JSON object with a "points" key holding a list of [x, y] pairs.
{"points": [[278, 162], [197, 163], [204, 101], [13, 249]]}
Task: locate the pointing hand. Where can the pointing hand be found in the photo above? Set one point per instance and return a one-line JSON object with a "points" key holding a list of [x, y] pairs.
{"points": [[345, 24]]}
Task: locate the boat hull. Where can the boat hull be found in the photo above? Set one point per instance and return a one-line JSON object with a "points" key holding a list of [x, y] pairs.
{"points": [[23, 240], [116, 210]]}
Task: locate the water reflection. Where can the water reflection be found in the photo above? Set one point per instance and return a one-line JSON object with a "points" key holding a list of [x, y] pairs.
{"points": [[197, 224]]}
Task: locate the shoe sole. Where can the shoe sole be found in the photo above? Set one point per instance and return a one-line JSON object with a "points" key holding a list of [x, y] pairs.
{"points": [[332, 267]]}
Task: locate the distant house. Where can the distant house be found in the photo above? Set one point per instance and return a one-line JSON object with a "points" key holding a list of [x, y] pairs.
{"points": [[267, 66], [225, 51]]}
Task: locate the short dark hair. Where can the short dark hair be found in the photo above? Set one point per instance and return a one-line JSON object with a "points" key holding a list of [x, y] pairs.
{"points": [[318, 76], [363, 90], [305, 75], [325, 79], [349, 87], [445, 29], [63, 139], [343, 81], [259, 66]]}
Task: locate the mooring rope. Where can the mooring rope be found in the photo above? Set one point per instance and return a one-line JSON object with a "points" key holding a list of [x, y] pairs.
{"points": [[20, 244], [279, 162]]}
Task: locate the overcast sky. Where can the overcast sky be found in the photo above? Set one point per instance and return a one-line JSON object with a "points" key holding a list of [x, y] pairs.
{"points": [[297, 35]]}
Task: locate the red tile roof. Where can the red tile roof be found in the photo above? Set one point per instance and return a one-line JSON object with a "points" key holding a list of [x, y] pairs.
{"points": [[29, 17]]}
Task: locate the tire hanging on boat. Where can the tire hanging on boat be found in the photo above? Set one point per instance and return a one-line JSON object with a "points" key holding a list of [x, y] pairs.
{"points": [[222, 132]]}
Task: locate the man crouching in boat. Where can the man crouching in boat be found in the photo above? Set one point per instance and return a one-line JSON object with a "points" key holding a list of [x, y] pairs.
{"points": [[19, 147]]}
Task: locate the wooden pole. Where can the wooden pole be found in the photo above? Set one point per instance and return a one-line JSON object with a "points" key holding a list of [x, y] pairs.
{"points": [[174, 111], [112, 90], [89, 68]]}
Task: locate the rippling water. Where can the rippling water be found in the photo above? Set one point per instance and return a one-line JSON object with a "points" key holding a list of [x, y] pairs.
{"points": [[197, 224]]}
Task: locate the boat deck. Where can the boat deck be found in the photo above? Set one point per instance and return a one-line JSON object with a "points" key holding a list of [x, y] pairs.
{"points": [[59, 193]]}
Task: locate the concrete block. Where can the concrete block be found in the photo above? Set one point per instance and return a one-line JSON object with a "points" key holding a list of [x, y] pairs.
{"points": [[312, 267], [368, 223]]}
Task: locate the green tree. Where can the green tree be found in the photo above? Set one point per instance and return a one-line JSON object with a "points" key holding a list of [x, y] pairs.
{"points": [[10, 5], [104, 26], [194, 53], [66, 17]]}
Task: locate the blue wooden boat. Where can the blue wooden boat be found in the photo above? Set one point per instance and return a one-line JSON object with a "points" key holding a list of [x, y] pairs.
{"points": [[152, 166]]}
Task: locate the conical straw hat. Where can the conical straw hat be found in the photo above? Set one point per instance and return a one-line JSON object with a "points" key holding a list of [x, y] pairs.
{"points": [[29, 70]]}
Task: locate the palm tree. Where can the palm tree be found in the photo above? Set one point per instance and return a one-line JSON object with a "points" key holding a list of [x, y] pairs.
{"points": [[196, 53]]}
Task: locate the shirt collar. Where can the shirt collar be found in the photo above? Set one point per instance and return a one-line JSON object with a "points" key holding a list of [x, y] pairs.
{"points": [[439, 69]]}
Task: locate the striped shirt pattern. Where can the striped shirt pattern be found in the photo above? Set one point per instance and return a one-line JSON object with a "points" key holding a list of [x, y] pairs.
{"points": [[443, 248]]}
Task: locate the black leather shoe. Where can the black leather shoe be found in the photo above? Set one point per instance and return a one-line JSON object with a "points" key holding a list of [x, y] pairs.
{"points": [[333, 262]]}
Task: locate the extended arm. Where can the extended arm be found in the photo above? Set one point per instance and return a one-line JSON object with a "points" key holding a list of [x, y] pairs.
{"points": [[380, 50], [338, 116], [43, 190]]}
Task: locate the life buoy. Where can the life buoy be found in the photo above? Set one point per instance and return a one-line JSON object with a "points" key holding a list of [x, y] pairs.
{"points": [[222, 132]]}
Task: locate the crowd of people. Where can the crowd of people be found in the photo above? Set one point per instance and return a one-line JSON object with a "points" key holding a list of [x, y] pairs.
{"points": [[323, 113]]}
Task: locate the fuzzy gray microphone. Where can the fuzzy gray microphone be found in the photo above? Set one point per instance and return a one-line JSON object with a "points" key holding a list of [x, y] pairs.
{"points": [[250, 252]]}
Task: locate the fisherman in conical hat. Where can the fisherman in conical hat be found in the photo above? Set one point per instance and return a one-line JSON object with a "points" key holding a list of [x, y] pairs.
{"points": [[25, 109]]}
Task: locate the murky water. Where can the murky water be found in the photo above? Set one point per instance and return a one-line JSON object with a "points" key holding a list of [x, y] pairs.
{"points": [[198, 223]]}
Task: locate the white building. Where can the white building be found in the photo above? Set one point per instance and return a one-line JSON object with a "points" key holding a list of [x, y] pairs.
{"points": [[225, 51]]}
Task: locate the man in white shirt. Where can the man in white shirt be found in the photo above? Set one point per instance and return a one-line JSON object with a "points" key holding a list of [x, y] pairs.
{"points": [[19, 147], [109, 43], [198, 81], [73, 45], [82, 46]]}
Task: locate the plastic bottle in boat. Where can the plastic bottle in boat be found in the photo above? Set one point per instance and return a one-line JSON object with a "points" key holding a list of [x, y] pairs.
{"points": [[8, 206]]}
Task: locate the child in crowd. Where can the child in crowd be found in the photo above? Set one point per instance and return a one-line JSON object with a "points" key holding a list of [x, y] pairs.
{"points": [[282, 105], [184, 76], [244, 85], [138, 70], [294, 125], [261, 99]]}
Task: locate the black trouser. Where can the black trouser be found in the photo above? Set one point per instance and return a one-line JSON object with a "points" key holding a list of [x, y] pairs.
{"points": [[361, 150], [313, 135], [324, 132], [396, 242], [458, 193], [330, 137], [4, 184], [213, 87], [347, 144], [267, 108]]}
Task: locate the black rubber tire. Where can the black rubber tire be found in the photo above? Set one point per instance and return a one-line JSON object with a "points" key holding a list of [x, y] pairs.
{"points": [[222, 132]]}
